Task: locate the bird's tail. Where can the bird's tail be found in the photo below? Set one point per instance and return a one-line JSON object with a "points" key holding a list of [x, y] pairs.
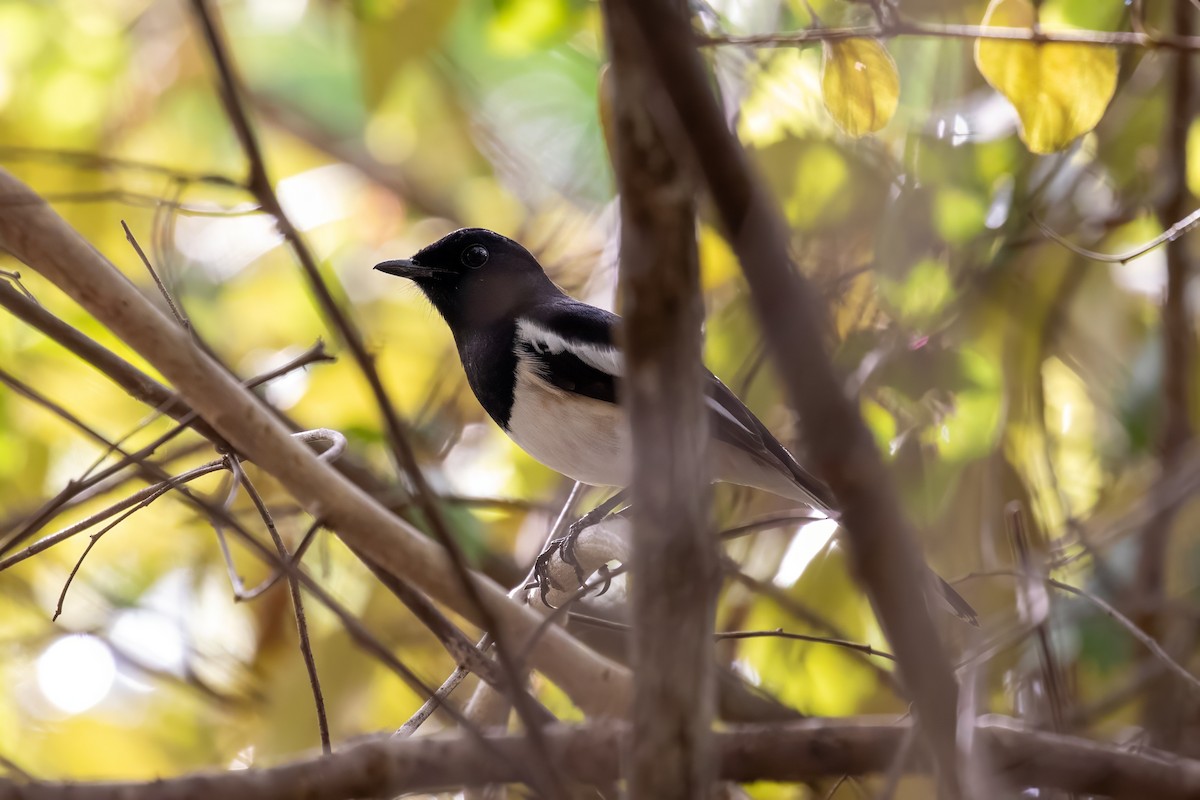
{"points": [[952, 600]]}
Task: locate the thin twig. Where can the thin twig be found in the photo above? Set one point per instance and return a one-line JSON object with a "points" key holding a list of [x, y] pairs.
{"points": [[427, 708], [187, 419], [773, 521], [66, 533], [93, 540], [899, 28], [180, 317], [87, 159], [780, 633], [305, 541], [310, 663], [137, 200], [1169, 235], [805, 614], [1137, 633]]}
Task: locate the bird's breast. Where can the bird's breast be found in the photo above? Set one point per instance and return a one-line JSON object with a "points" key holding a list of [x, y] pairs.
{"points": [[581, 437]]}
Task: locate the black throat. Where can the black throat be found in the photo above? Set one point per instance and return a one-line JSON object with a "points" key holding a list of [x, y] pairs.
{"points": [[489, 358]]}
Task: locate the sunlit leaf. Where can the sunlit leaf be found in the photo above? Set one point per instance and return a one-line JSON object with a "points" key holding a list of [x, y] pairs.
{"points": [[860, 85], [1060, 91]]}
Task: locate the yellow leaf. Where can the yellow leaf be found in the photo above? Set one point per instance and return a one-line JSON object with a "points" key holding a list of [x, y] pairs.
{"points": [[1060, 90], [859, 84]]}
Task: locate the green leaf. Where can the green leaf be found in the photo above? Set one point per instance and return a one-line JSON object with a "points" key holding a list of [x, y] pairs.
{"points": [[1060, 91], [859, 84]]}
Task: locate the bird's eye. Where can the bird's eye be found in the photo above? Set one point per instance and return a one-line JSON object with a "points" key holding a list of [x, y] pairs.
{"points": [[475, 256]]}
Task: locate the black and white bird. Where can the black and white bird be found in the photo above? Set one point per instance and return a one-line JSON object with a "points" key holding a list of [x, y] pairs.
{"points": [[547, 368]]}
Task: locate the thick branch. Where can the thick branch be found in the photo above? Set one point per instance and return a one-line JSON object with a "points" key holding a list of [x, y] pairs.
{"points": [[674, 594], [882, 544], [35, 234], [791, 752]]}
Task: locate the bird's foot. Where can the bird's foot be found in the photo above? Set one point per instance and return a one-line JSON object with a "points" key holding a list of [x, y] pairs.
{"points": [[564, 547]]}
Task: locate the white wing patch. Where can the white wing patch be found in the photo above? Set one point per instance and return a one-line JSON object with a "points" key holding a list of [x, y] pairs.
{"points": [[714, 405], [605, 358]]}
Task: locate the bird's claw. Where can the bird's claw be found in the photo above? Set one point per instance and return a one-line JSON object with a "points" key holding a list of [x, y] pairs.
{"points": [[543, 580]]}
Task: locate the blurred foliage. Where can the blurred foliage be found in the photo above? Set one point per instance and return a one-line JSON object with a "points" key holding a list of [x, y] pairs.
{"points": [[992, 364]]}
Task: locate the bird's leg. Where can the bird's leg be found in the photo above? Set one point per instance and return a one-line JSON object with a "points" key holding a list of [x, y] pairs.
{"points": [[565, 545]]}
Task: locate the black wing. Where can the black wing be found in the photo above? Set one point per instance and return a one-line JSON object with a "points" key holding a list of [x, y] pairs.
{"points": [[572, 346], [736, 424]]}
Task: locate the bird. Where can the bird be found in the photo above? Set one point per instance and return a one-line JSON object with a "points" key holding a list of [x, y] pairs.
{"points": [[547, 368]]}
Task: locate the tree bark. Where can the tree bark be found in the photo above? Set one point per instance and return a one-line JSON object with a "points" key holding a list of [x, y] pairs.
{"points": [[592, 754], [673, 591]]}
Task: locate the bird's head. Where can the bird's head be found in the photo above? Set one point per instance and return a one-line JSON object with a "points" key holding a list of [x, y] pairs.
{"points": [[474, 276]]}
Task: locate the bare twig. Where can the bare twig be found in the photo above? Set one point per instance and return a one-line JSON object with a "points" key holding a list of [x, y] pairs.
{"points": [[76, 488], [180, 317], [413, 723], [137, 200], [780, 633], [95, 537], [803, 613], [94, 519], [306, 651], [305, 542], [899, 28], [1169, 235], [87, 159], [1107, 608]]}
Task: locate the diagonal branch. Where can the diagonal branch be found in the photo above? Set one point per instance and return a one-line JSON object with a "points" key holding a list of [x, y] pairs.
{"points": [[36, 235]]}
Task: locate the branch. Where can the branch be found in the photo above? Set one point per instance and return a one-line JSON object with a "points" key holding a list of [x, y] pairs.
{"points": [[35, 234], [881, 541], [898, 28], [1164, 714], [795, 751], [673, 599]]}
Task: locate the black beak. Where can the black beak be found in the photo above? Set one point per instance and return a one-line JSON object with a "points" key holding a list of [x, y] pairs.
{"points": [[407, 268]]}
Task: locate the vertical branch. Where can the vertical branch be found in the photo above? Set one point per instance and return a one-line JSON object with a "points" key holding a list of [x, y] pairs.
{"points": [[881, 541], [674, 550], [1149, 593]]}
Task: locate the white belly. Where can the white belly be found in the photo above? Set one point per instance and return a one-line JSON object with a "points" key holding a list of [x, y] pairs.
{"points": [[588, 440], [585, 439]]}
